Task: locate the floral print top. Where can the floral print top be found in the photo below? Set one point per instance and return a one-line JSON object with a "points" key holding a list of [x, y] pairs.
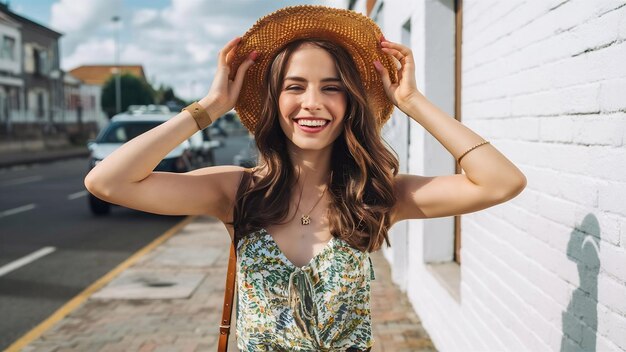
{"points": [[322, 306]]}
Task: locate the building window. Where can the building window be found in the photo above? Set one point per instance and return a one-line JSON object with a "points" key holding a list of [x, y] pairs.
{"points": [[43, 62], [14, 100], [37, 61], [40, 112], [7, 50], [40, 59]]}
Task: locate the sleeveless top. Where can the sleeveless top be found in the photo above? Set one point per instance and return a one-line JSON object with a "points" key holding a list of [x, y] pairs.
{"points": [[322, 306]]}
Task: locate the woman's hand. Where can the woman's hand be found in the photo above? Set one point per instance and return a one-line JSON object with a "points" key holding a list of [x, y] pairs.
{"points": [[224, 92], [405, 90]]}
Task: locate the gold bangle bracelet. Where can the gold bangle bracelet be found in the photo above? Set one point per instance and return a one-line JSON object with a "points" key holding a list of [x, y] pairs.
{"points": [[199, 114], [469, 150]]}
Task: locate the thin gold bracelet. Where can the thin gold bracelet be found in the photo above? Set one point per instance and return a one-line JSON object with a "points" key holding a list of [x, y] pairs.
{"points": [[469, 150]]}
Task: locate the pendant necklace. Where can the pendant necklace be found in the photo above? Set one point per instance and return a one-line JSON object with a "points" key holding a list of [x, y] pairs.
{"points": [[306, 219]]}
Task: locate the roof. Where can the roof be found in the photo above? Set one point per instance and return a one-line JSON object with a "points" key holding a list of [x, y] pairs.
{"points": [[70, 80], [5, 8], [8, 20], [99, 74]]}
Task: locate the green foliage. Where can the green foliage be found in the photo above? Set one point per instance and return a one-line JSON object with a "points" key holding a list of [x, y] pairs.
{"points": [[165, 94], [134, 90]]}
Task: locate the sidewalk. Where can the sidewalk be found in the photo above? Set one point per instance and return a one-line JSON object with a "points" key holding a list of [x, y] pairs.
{"points": [[169, 297], [38, 156]]}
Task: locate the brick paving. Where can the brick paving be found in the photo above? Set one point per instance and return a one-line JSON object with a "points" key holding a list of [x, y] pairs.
{"points": [[395, 325], [191, 324]]}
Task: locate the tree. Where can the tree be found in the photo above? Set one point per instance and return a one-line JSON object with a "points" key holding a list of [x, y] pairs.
{"points": [[165, 95], [134, 91]]}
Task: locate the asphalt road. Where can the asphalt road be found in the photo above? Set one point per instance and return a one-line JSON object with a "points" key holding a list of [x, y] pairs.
{"points": [[52, 247]]}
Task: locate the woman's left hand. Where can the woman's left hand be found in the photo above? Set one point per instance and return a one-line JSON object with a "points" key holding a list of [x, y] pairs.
{"points": [[402, 92]]}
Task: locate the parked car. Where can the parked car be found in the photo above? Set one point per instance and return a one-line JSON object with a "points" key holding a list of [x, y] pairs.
{"points": [[196, 144], [208, 146], [121, 129], [216, 129], [174, 106], [149, 109]]}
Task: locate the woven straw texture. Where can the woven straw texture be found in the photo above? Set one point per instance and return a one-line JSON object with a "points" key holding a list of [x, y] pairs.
{"points": [[357, 33]]}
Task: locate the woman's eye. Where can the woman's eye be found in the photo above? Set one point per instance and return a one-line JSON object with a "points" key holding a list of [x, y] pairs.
{"points": [[327, 88]]}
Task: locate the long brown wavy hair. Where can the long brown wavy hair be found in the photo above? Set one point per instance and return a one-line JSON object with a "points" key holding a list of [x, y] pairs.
{"points": [[362, 168]]}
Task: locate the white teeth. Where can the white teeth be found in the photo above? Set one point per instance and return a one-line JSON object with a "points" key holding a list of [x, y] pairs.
{"points": [[313, 123]]}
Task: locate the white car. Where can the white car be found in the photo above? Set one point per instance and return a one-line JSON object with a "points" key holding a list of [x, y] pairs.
{"points": [[126, 126]]}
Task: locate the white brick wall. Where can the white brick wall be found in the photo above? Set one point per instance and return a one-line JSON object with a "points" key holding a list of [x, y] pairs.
{"points": [[545, 82]]}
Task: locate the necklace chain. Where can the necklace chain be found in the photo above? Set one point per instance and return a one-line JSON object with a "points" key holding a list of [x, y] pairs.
{"points": [[306, 219]]}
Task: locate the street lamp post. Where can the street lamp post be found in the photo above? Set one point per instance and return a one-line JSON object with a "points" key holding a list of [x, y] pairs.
{"points": [[118, 86]]}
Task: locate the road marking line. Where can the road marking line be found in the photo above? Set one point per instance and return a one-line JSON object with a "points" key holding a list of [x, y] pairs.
{"points": [[7, 268], [17, 210], [22, 180], [77, 195], [78, 300]]}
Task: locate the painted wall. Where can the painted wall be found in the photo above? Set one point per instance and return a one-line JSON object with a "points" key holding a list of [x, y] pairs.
{"points": [[545, 83]]}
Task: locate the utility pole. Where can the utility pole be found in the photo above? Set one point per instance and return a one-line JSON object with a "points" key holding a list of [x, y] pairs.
{"points": [[118, 86]]}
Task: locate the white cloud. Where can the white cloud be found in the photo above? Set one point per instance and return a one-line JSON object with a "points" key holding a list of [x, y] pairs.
{"points": [[218, 29], [144, 17], [87, 31], [199, 53], [177, 45], [78, 15], [136, 54], [92, 51]]}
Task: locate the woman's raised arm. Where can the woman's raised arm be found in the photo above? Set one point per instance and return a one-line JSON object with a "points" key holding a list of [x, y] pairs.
{"points": [[134, 160], [126, 176], [490, 178]]}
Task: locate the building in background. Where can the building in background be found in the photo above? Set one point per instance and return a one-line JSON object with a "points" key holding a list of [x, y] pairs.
{"points": [[42, 93], [42, 106], [544, 82], [96, 76], [11, 81], [83, 111], [83, 98]]}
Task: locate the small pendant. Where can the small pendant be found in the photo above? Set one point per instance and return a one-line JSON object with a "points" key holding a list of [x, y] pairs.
{"points": [[305, 219]]}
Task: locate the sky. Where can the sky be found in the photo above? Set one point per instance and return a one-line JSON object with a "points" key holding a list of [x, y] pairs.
{"points": [[176, 41]]}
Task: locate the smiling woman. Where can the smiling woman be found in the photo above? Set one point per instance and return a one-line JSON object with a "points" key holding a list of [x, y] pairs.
{"points": [[316, 121], [322, 194]]}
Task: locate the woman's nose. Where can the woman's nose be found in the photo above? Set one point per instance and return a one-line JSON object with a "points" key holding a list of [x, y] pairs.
{"points": [[311, 99]]}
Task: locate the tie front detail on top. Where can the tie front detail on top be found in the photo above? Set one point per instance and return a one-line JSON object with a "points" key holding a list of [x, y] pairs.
{"points": [[322, 306], [301, 291]]}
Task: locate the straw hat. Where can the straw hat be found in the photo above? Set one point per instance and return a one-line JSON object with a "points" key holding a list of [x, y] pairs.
{"points": [[357, 33]]}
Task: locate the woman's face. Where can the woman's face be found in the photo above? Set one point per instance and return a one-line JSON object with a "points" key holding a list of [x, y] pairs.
{"points": [[312, 89]]}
